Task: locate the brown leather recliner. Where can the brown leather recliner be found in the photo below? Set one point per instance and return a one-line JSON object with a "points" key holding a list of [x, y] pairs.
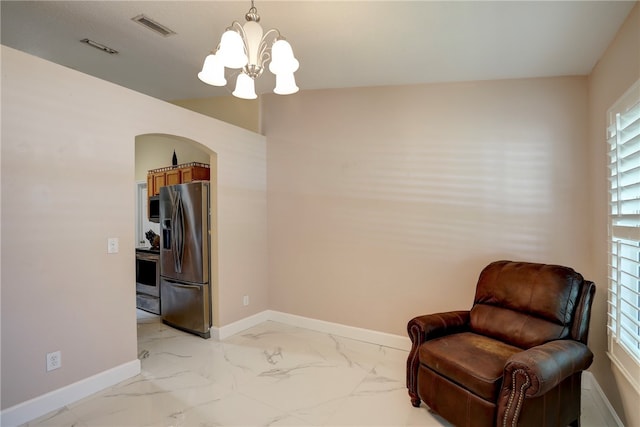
{"points": [[515, 359]]}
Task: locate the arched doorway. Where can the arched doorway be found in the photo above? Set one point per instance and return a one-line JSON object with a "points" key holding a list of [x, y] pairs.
{"points": [[153, 151]]}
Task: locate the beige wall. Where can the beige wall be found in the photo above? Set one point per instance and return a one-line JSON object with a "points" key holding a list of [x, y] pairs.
{"points": [[240, 112], [156, 151], [617, 70], [385, 203], [67, 185]]}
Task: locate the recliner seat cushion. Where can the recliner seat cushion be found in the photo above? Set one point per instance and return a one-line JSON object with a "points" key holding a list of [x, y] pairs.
{"points": [[474, 361]]}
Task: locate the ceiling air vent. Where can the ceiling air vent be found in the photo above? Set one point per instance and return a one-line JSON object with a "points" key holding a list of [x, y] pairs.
{"points": [[153, 25]]}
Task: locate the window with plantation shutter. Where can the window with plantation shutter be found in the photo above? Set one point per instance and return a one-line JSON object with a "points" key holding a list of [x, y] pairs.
{"points": [[623, 137]]}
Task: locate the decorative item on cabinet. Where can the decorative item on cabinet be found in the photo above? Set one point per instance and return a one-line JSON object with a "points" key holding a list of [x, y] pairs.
{"points": [[153, 238]]}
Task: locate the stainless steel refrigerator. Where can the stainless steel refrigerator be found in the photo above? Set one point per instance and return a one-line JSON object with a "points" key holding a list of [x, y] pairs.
{"points": [[185, 287]]}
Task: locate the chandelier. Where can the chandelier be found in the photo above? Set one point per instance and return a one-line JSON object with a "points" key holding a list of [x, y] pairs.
{"points": [[247, 48]]}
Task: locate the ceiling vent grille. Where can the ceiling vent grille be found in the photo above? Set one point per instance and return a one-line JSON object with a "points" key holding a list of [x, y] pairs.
{"points": [[153, 25]]}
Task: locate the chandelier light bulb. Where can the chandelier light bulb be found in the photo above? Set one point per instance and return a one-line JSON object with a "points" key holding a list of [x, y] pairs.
{"points": [[212, 71]]}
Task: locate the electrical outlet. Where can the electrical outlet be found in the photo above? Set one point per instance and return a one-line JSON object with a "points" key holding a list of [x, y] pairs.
{"points": [[54, 360], [113, 245], [245, 300]]}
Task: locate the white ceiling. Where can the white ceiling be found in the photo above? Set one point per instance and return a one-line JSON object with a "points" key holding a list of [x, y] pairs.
{"points": [[338, 43]]}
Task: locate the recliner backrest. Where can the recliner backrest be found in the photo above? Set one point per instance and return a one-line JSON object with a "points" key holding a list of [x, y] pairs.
{"points": [[526, 304]]}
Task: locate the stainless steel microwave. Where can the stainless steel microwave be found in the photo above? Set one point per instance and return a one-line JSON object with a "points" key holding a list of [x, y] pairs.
{"points": [[154, 208]]}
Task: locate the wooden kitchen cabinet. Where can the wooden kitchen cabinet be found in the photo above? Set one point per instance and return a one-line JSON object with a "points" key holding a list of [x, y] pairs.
{"points": [[194, 173], [150, 185], [171, 175], [159, 180]]}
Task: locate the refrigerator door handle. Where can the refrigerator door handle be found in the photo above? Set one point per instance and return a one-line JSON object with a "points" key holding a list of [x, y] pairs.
{"points": [[178, 232]]}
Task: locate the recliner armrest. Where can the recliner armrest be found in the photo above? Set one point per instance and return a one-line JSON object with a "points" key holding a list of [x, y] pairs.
{"points": [[436, 325], [423, 328], [548, 364], [537, 370]]}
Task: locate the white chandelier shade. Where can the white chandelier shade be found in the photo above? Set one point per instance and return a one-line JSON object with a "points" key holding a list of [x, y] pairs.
{"points": [[245, 87], [283, 65], [249, 49], [231, 50], [212, 71], [285, 84]]}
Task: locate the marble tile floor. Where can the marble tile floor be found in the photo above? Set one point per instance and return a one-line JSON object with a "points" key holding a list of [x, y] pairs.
{"points": [[270, 375]]}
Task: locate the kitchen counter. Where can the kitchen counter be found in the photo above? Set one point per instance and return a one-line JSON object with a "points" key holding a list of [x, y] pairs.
{"points": [[148, 250]]}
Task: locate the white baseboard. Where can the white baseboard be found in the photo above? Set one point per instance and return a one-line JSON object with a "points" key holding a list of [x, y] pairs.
{"points": [[601, 401], [239, 326], [360, 334], [56, 399]]}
